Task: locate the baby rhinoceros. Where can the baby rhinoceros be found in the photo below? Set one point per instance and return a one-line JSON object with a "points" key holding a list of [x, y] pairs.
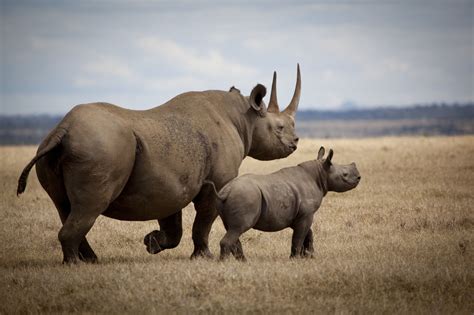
{"points": [[286, 198]]}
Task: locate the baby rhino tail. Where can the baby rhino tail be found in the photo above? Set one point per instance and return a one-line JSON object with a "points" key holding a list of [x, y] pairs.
{"points": [[220, 195]]}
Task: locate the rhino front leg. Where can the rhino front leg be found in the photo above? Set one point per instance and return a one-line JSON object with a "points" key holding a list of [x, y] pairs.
{"points": [[308, 248], [201, 229], [169, 235], [300, 231], [206, 213]]}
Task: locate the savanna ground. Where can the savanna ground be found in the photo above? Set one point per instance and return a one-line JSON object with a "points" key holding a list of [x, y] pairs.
{"points": [[401, 242]]}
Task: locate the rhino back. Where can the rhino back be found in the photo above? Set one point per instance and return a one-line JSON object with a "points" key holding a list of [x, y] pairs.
{"points": [[202, 129]]}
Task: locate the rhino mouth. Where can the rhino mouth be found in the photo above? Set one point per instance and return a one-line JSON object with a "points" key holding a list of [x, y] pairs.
{"points": [[352, 183]]}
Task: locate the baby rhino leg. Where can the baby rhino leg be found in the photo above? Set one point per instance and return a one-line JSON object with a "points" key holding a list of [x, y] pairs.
{"points": [[229, 245], [238, 252], [301, 229], [239, 213]]}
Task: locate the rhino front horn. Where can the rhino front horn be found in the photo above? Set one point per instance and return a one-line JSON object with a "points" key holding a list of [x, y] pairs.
{"points": [[291, 109]]}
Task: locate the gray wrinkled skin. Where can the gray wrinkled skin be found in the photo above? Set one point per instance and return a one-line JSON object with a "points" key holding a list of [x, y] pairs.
{"points": [[287, 198], [148, 165]]}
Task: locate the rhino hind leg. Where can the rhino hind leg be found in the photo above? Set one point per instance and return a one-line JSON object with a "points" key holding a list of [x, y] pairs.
{"points": [[86, 253], [51, 181], [238, 252], [230, 245], [72, 235], [169, 235], [90, 196]]}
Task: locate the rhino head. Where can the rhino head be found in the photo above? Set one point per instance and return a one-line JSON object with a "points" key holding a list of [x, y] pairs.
{"points": [[340, 178], [274, 134]]}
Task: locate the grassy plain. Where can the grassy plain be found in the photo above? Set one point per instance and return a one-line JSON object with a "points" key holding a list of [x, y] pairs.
{"points": [[401, 242]]}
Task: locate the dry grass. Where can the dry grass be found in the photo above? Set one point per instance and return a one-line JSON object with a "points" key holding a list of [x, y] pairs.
{"points": [[402, 242]]}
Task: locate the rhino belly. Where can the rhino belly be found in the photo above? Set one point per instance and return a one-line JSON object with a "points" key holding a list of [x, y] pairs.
{"points": [[147, 205], [157, 197], [279, 209], [272, 223]]}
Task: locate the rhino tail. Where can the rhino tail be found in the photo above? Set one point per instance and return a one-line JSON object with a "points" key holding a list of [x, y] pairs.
{"points": [[51, 141], [220, 195]]}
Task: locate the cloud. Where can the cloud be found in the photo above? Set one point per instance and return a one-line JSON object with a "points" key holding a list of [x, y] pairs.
{"points": [[109, 66], [369, 52], [104, 71], [211, 63]]}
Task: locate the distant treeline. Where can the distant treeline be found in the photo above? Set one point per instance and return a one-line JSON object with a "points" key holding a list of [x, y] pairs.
{"points": [[26, 129], [433, 111], [437, 119]]}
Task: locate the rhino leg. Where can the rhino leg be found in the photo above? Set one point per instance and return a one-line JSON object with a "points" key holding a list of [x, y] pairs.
{"points": [[168, 236], [308, 248], [86, 253], [89, 198], [54, 186], [206, 213], [229, 245], [74, 231], [300, 231], [238, 252]]}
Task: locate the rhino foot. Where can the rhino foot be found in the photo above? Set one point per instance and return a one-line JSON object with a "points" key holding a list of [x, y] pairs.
{"points": [[308, 255], [88, 259], [80, 256], [202, 253], [86, 253], [152, 242], [70, 261]]}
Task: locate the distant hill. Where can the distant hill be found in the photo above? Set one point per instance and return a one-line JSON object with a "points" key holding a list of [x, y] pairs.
{"points": [[415, 120], [435, 111], [424, 120]]}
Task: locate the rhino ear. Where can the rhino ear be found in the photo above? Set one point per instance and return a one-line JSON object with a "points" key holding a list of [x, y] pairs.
{"points": [[321, 153], [327, 162], [256, 99], [234, 89]]}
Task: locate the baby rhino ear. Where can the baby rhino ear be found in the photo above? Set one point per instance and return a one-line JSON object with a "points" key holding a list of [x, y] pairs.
{"points": [[321, 153], [327, 162]]}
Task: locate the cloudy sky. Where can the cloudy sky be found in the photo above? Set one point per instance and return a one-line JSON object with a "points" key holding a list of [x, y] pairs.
{"points": [[139, 54]]}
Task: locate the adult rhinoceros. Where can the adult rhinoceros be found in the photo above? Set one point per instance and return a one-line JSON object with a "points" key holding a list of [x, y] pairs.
{"points": [[139, 165]]}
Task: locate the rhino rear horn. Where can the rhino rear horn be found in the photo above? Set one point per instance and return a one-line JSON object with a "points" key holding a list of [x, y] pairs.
{"points": [[256, 99], [291, 109], [273, 104]]}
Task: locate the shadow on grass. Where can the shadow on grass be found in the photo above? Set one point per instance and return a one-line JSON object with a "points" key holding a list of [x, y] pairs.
{"points": [[141, 259], [110, 260]]}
